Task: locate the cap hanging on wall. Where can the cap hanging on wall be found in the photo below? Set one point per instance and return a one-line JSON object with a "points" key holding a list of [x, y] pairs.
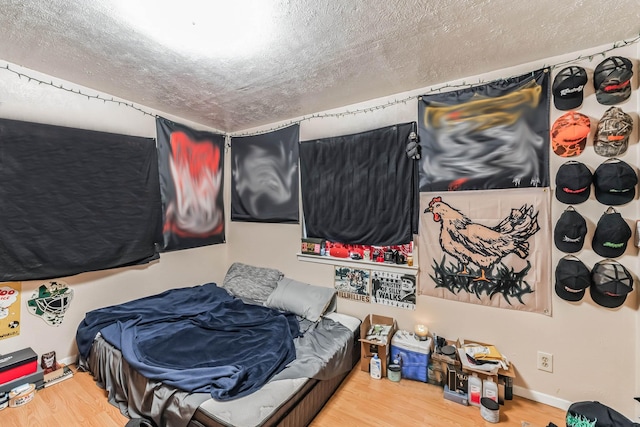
{"points": [[614, 182], [568, 88], [572, 278], [612, 235], [569, 134], [570, 230], [611, 282], [573, 183], [612, 80]]}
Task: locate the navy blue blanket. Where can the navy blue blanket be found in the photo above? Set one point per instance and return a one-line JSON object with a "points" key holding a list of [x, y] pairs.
{"points": [[197, 339]]}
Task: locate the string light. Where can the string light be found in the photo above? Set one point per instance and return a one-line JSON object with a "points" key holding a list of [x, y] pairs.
{"points": [[439, 89]]}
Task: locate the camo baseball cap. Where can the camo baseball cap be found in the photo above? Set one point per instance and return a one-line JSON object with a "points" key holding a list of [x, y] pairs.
{"points": [[612, 134], [569, 134]]}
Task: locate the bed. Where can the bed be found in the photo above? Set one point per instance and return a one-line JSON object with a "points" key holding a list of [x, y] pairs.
{"points": [[259, 350]]}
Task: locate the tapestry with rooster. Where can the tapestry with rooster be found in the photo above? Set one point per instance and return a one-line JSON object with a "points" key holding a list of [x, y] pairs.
{"points": [[487, 248]]}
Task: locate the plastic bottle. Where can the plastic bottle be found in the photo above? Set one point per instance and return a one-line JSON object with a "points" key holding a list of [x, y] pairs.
{"points": [[475, 390], [375, 367], [490, 389]]}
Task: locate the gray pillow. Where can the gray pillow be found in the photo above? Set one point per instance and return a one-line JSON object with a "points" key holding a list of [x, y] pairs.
{"points": [[303, 299], [250, 282]]}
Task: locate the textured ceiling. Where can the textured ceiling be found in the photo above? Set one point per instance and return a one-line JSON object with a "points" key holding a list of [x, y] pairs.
{"points": [[317, 55]]}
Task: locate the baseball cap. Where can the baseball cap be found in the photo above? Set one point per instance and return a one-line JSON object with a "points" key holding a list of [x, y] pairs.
{"points": [[612, 80], [612, 133], [611, 235], [569, 134], [614, 182], [572, 278], [596, 414], [568, 88], [569, 232], [610, 283], [573, 183]]}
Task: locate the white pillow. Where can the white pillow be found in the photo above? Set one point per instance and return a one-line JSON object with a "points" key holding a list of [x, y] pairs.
{"points": [[303, 299]]}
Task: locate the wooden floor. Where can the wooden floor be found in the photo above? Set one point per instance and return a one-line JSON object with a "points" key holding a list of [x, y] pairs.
{"points": [[360, 401]]}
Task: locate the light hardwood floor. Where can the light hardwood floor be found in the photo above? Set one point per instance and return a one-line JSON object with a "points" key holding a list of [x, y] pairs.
{"points": [[360, 401]]}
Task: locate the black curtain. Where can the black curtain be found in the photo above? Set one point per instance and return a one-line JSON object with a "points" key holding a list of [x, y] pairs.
{"points": [[75, 200], [360, 188]]}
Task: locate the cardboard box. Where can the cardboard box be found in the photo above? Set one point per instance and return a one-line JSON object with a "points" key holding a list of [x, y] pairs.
{"points": [[502, 377], [374, 344], [312, 246]]}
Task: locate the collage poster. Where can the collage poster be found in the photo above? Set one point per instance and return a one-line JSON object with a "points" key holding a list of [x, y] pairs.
{"points": [[352, 283]]}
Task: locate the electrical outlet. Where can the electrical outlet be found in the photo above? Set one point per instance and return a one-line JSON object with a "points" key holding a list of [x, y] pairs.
{"points": [[545, 361]]}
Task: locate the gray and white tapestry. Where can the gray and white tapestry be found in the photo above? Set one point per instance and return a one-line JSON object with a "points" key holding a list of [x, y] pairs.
{"points": [[264, 177]]}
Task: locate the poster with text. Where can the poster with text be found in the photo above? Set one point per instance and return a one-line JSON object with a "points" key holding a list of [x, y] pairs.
{"points": [[10, 309], [352, 283], [393, 289]]}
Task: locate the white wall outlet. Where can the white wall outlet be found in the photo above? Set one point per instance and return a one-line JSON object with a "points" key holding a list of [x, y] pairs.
{"points": [[545, 361]]}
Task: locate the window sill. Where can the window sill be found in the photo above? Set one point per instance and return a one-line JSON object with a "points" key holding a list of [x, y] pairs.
{"points": [[348, 262]]}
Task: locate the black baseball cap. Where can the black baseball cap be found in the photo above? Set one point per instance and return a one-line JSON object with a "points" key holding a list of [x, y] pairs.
{"points": [[568, 88], [596, 414], [572, 278], [569, 232], [612, 80], [573, 183], [610, 283], [614, 182], [611, 236]]}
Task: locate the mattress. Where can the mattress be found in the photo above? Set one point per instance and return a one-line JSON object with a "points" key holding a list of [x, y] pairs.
{"points": [[282, 401], [269, 405]]}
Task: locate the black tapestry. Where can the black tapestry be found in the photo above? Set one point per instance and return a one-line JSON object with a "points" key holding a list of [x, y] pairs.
{"points": [[191, 166], [360, 188], [75, 201], [491, 136], [264, 177]]}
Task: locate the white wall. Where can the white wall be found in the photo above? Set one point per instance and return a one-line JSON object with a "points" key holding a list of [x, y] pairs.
{"points": [[21, 99], [594, 349]]}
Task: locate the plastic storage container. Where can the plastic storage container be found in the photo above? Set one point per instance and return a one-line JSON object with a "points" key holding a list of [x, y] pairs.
{"points": [[375, 367], [413, 355], [474, 390], [490, 389]]}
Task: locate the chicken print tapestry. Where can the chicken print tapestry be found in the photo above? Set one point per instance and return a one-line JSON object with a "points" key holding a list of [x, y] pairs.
{"points": [[191, 182], [487, 248], [491, 136], [264, 177]]}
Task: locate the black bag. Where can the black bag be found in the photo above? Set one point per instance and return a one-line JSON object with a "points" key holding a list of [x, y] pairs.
{"points": [[596, 414]]}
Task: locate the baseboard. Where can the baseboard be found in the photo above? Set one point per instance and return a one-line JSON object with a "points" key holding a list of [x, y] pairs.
{"points": [[71, 360], [541, 397]]}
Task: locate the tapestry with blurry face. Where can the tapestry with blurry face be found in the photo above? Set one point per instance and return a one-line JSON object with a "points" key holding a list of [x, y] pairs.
{"points": [[191, 182], [264, 177], [489, 136]]}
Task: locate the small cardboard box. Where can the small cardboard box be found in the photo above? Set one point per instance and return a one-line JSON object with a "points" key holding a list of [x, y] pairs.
{"points": [[372, 344], [503, 377]]}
